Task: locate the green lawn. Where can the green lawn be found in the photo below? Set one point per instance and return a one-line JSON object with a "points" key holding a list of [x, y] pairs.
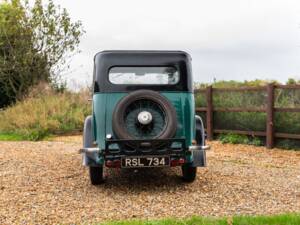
{"points": [[11, 137], [286, 219]]}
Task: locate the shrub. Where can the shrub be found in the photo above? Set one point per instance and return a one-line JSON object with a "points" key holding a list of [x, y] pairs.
{"points": [[240, 139], [285, 122], [36, 42], [288, 144]]}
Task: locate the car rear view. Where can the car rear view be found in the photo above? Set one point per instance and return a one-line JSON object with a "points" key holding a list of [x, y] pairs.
{"points": [[143, 114]]}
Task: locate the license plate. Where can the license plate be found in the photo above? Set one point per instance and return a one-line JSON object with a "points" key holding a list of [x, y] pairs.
{"points": [[145, 161]]}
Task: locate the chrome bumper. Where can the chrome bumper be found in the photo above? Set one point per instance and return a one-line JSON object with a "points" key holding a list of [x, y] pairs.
{"points": [[89, 150], [197, 147], [91, 155]]}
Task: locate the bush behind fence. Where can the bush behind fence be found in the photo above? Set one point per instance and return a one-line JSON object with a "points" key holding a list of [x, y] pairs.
{"points": [[244, 109]]}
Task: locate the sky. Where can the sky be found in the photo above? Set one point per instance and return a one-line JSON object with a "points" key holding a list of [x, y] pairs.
{"points": [[228, 40]]}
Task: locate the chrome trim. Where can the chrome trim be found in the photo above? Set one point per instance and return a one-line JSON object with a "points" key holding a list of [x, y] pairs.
{"points": [[205, 147], [197, 147], [89, 150]]}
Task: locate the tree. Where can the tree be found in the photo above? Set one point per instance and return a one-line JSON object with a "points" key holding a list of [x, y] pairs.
{"points": [[35, 43], [291, 81]]}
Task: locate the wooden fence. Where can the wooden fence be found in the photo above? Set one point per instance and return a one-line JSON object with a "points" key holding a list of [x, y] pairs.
{"points": [[269, 110]]}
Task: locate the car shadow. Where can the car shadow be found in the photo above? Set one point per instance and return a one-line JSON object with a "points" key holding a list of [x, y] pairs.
{"points": [[145, 179]]}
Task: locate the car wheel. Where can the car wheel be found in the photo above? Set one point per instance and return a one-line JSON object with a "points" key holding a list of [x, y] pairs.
{"points": [[189, 172], [96, 175]]}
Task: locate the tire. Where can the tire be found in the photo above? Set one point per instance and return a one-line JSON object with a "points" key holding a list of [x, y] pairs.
{"points": [[118, 123], [200, 133], [189, 173], [96, 175]]}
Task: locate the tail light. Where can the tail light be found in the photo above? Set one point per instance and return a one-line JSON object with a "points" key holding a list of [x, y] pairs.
{"points": [[177, 162]]}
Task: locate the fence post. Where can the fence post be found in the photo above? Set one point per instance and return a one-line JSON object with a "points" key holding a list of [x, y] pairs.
{"points": [[270, 116], [209, 113]]}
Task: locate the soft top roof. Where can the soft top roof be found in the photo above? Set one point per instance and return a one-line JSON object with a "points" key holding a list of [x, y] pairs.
{"points": [[153, 53], [105, 60]]}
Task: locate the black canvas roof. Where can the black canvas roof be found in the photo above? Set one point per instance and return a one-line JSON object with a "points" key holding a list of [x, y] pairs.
{"points": [[105, 60]]}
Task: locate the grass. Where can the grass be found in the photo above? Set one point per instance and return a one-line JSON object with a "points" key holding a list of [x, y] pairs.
{"points": [[11, 137], [284, 219], [43, 114]]}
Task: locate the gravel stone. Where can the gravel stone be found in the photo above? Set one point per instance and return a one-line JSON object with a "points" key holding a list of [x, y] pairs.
{"points": [[45, 183]]}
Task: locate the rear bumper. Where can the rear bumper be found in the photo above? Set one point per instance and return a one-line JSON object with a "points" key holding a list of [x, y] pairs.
{"points": [[199, 148], [172, 146], [116, 149]]}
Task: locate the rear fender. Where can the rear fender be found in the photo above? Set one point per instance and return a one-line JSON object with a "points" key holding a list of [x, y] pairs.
{"points": [[90, 158], [199, 151], [200, 132]]}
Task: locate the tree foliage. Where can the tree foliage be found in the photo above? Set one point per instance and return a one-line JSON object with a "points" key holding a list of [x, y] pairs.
{"points": [[35, 44]]}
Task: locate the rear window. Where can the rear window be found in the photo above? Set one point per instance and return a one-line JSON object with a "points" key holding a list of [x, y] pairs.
{"points": [[144, 75]]}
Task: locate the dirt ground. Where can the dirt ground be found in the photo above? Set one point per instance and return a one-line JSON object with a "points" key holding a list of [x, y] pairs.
{"points": [[45, 183]]}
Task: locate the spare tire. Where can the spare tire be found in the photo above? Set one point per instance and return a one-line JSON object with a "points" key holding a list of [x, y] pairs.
{"points": [[144, 114]]}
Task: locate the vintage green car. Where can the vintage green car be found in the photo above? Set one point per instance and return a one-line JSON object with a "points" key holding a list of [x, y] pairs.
{"points": [[143, 114]]}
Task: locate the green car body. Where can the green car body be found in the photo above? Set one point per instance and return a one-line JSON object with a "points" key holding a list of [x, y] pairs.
{"points": [[102, 116]]}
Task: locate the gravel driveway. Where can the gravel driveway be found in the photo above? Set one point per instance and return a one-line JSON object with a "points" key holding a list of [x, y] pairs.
{"points": [[44, 182]]}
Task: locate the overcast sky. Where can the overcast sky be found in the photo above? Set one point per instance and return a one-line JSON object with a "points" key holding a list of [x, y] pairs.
{"points": [[228, 40]]}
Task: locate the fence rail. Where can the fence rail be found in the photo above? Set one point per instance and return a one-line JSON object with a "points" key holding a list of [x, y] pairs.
{"points": [[269, 109]]}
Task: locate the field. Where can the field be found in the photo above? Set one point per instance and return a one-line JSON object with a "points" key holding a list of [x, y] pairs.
{"points": [[44, 182]]}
